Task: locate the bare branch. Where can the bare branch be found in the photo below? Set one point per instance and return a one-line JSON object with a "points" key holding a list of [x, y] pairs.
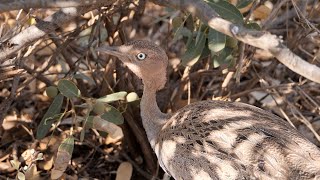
{"points": [[49, 24], [263, 40], [26, 4]]}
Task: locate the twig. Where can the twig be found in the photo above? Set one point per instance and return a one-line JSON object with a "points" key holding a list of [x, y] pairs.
{"points": [[141, 171], [240, 62], [43, 27], [273, 13], [234, 96], [6, 104], [254, 38], [27, 4]]}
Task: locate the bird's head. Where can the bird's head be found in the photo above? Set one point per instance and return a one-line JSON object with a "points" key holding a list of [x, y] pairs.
{"points": [[147, 60]]}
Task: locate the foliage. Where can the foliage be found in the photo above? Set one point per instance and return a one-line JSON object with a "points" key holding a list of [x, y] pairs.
{"points": [[69, 92], [199, 37]]}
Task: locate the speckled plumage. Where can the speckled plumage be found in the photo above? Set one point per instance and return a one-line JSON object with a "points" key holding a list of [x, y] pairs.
{"points": [[216, 139]]}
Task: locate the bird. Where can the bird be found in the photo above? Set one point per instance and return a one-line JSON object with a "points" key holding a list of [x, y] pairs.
{"points": [[212, 139]]}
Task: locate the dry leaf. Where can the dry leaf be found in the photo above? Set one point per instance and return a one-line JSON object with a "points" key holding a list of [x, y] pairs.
{"points": [[64, 155], [60, 164], [54, 142], [28, 156], [10, 122], [124, 171], [110, 140], [32, 173], [46, 165], [115, 132], [262, 12], [6, 167]]}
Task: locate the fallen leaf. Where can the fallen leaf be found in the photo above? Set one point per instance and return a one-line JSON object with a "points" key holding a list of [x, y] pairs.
{"points": [[262, 12], [124, 171]]}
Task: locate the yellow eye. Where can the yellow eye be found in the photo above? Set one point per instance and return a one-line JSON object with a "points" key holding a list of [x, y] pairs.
{"points": [[141, 56]]}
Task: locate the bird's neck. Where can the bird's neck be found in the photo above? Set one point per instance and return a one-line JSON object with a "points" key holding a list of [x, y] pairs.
{"points": [[152, 118]]}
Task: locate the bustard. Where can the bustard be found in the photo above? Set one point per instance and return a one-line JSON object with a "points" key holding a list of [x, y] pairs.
{"points": [[215, 139]]}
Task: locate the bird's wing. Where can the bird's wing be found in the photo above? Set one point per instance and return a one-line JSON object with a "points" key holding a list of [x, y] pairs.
{"points": [[223, 140]]}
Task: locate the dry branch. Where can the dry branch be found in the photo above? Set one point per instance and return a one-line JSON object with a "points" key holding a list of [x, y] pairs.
{"points": [[263, 40], [200, 9], [26, 4], [49, 24]]}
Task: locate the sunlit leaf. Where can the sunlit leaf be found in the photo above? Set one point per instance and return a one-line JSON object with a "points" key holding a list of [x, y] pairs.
{"points": [[132, 97], [64, 155], [68, 88], [15, 164], [124, 171], [243, 3], [46, 164], [194, 50], [32, 21], [96, 122], [53, 110], [40, 156], [262, 12], [28, 156], [112, 115], [21, 176], [216, 40], [113, 97], [226, 10]]}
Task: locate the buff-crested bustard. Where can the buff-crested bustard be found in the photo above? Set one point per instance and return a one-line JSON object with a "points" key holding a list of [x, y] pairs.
{"points": [[215, 139]]}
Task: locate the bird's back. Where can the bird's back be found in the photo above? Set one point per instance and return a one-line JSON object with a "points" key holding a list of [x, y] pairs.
{"points": [[225, 140]]}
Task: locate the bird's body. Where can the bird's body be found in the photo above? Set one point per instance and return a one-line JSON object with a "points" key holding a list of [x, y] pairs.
{"points": [[215, 139], [225, 140]]}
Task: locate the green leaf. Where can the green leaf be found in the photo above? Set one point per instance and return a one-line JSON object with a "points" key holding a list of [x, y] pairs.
{"points": [[194, 50], [52, 111], [68, 88], [113, 97], [226, 10], [231, 42], [216, 40], [205, 52], [98, 108], [223, 58], [67, 145], [253, 25], [51, 91], [82, 76], [177, 23], [182, 32], [243, 3], [112, 115]]}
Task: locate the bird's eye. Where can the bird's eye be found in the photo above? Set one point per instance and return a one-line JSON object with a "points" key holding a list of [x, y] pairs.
{"points": [[141, 56]]}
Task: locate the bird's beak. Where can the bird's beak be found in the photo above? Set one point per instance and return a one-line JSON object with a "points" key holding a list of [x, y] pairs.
{"points": [[120, 52]]}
